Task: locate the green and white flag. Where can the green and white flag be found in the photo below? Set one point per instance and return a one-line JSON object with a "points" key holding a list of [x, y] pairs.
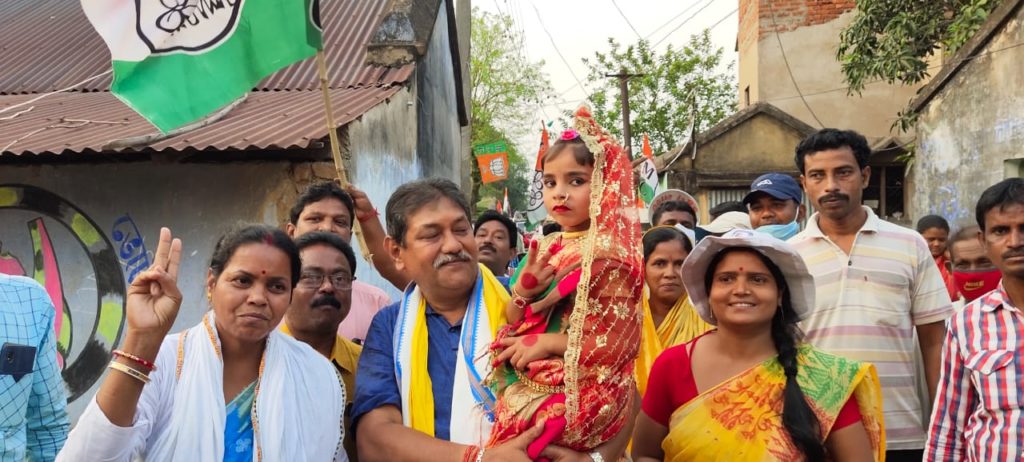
{"points": [[648, 174], [176, 61]]}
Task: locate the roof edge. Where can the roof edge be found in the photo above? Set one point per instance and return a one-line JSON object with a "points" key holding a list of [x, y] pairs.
{"points": [[995, 22], [404, 32]]}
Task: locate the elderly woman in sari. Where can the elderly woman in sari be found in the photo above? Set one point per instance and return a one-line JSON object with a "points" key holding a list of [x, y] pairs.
{"points": [[750, 390], [669, 317], [231, 388]]}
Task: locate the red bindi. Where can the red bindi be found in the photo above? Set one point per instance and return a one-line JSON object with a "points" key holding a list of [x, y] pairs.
{"points": [[741, 268], [530, 340], [263, 272]]}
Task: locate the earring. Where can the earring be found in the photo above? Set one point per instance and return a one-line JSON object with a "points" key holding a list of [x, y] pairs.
{"points": [[209, 296]]}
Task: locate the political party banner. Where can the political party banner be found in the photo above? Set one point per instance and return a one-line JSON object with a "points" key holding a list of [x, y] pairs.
{"points": [[177, 61], [492, 159], [535, 210], [648, 174]]}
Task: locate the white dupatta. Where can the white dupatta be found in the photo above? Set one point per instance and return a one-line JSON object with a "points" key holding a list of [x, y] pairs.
{"points": [[298, 408], [472, 402]]}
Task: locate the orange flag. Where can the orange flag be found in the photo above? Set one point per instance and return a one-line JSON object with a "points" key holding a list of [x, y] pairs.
{"points": [[493, 161]]}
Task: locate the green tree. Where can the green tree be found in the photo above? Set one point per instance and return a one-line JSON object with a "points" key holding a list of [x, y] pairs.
{"points": [[506, 89], [892, 40], [662, 100]]}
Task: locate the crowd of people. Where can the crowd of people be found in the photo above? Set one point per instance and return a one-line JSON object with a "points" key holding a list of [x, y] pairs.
{"points": [[764, 334]]}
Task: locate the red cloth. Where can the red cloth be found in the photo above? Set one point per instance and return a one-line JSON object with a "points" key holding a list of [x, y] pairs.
{"points": [[947, 278], [671, 385]]}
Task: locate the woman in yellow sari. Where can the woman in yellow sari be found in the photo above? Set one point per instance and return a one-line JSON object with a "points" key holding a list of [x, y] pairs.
{"points": [[750, 390], [669, 317]]}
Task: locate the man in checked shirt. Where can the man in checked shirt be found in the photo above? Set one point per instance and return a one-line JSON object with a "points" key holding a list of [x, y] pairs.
{"points": [[978, 410], [33, 416]]}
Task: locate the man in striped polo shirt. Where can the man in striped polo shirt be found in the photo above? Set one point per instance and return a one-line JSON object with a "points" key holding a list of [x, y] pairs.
{"points": [[876, 284]]}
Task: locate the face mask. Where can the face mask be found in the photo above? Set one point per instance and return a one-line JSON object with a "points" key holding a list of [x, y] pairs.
{"points": [[783, 232], [973, 284]]}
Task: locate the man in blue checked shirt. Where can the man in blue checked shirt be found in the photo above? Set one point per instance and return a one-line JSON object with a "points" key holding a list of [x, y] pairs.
{"points": [[33, 418]]}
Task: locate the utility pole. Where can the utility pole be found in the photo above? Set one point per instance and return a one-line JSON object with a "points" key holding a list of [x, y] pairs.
{"points": [[624, 96]]}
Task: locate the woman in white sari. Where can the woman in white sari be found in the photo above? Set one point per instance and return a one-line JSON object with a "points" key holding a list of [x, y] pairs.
{"points": [[231, 388]]}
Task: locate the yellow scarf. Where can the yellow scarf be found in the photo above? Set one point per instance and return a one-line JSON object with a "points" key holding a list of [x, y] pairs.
{"points": [[681, 325], [487, 306]]}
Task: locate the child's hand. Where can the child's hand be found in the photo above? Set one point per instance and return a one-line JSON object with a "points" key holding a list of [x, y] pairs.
{"points": [[520, 351], [568, 279], [536, 275]]}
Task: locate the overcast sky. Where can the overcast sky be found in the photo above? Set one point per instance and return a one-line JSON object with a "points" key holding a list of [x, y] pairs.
{"points": [[579, 28]]}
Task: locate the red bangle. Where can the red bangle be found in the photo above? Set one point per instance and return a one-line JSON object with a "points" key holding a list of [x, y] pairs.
{"points": [[367, 216], [471, 453], [142, 362]]}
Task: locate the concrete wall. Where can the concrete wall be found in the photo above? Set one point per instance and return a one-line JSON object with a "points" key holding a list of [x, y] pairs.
{"points": [[86, 229], [439, 133], [970, 129], [760, 144], [382, 146], [809, 34], [100, 224]]}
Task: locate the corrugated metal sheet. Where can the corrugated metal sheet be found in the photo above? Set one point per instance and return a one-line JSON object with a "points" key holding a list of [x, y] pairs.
{"points": [[50, 44], [348, 27], [86, 122]]}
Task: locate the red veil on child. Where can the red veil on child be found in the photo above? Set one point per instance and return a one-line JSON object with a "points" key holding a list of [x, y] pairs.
{"points": [[602, 319]]}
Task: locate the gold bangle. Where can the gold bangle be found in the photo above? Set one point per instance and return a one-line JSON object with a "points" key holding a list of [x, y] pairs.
{"points": [[132, 372]]}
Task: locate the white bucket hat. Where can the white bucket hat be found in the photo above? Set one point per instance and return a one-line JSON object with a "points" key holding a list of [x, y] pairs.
{"points": [[728, 221], [798, 280]]}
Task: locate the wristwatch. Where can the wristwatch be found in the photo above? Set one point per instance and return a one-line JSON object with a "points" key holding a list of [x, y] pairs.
{"points": [[596, 456]]}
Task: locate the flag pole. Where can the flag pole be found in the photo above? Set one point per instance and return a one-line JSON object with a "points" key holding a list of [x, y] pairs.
{"points": [[339, 167]]}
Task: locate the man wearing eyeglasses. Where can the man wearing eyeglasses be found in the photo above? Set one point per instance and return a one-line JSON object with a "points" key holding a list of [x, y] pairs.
{"points": [[320, 302]]}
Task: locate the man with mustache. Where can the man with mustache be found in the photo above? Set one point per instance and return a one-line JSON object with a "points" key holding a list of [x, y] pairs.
{"points": [[328, 208], [980, 407], [320, 302], [876, 285], [420, 394], [496, 237], [974, 274]]}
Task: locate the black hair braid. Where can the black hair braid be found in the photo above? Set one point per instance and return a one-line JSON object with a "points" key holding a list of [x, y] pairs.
{"points": [[797, 417]]}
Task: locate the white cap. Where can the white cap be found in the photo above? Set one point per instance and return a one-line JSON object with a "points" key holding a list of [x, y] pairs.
{"points": [[674, 195], [798, 280], [728, 221]]}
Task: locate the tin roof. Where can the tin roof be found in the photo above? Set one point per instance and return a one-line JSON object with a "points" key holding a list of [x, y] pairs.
{"points": [[90, 122], [49, 45]]}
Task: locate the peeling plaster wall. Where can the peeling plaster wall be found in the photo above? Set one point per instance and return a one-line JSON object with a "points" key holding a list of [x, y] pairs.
{"points": [[94, 216], [382, 144], [119, 207], [439, 133], [969, 129]]}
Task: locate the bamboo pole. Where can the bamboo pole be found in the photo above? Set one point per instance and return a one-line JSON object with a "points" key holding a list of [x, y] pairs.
{"points": [[339, 167]]}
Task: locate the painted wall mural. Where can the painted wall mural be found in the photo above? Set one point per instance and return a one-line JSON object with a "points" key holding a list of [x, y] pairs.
{"points": [[87, 328]]}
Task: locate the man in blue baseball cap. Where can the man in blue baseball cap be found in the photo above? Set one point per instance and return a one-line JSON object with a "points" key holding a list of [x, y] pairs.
{"points": [[775, 205]]}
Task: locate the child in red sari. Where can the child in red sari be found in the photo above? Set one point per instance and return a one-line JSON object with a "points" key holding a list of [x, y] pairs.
{"points": [[566, 358]]}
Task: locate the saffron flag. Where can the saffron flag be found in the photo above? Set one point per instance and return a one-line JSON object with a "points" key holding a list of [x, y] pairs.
{"points": [[175, 62], [493, 161], [648, 174], [535, 210]]}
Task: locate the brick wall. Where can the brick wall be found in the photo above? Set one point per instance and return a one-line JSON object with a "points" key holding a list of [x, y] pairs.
{"points": [[767, 16]]}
